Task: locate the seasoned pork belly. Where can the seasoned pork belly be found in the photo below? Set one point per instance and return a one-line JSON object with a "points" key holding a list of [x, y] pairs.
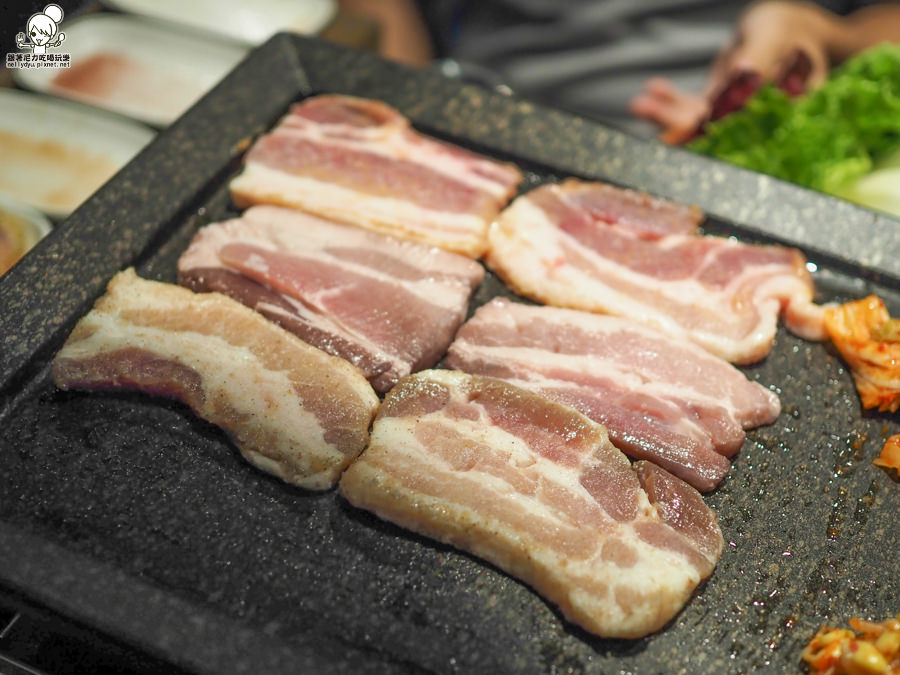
{"points": [[358, 161], [388, 306], [594, 247], [537, 489], [291, 409], [661, 398]]}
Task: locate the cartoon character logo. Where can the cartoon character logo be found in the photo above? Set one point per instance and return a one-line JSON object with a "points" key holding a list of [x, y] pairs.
{"points": [[42, 28]]}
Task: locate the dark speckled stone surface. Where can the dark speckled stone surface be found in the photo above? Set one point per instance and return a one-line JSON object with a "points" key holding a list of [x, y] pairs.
{"points": [[128, 514]]}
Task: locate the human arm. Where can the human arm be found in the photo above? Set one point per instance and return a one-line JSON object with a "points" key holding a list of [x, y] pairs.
{"points": [[402, 33], [793, 44]]}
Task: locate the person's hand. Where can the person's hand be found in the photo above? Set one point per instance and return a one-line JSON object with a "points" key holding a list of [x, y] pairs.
{"points": [[787, 43], [678, 113]]}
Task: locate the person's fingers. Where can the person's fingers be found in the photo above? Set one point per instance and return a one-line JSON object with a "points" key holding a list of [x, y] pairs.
{"points": [[718, 72], [765, 38], [655, 99], [647, 107], [819, 67], [769, 37], [763, 56], [664, 91], [678, 135], [792, 66], [676, 112], [758, 57], [660, 87]]}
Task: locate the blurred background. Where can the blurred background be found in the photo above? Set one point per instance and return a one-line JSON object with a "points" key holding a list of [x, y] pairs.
{"points": [[132, 67], [804, 91]]}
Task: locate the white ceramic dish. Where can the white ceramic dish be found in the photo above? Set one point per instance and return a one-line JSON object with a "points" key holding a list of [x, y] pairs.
{"points": [[21, 227], [249, 23], [55, 154], [149, 71]]}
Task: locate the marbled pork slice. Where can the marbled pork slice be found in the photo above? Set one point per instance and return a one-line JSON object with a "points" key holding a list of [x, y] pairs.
{"points": [[358, 161], [291, 409], [661, 398], [574, 245], [388, 306], [537, 489]]}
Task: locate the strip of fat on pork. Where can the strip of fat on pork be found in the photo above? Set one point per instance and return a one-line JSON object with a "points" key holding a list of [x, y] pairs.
{"points": [[594, 247], [537, 489], [291, 409], [388, 306], [661, 398], [360, 162]]}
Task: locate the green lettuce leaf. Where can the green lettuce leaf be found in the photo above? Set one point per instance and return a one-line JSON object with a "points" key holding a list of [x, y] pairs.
{"points": [[824, 140]]}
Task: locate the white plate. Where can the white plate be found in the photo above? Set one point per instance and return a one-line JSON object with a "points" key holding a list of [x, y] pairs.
{"points": [[250, 23], [21, 227], [150, 71], [55, 154]]}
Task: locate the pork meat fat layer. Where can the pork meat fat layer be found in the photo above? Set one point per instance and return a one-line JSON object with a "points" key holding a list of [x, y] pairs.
{"points": [[358, 161], [291, 409], [537, 489], [388, 306], [594, 247], [661, 398]]}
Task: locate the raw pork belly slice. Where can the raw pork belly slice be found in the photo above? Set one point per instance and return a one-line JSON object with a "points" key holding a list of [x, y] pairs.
{"points": [[662, 399], [291, 409], [537, 489], [358, 161], [388, 306], [595, 247]]}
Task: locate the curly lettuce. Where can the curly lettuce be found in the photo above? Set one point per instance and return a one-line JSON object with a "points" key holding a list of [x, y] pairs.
{"points": [[825, 140]]}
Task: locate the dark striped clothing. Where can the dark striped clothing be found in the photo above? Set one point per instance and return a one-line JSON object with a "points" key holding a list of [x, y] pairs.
{"points": [[589, 56]]}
